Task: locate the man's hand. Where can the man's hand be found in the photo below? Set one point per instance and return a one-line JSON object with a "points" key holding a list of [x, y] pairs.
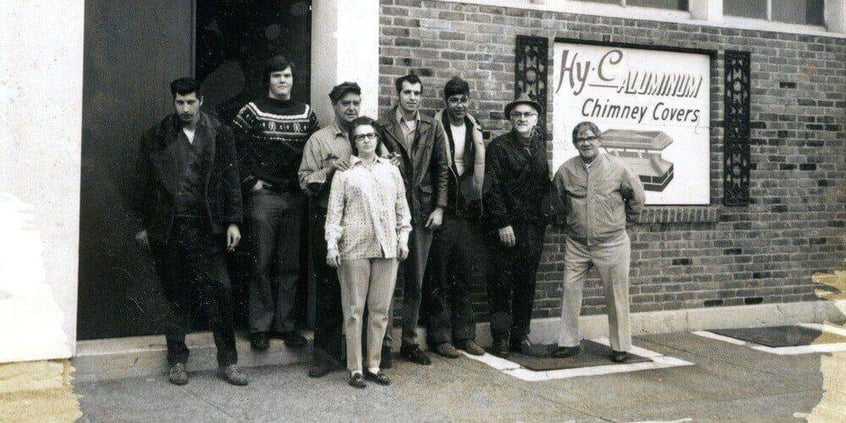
{"points": [[435, 219], [143, 239], [396, 160], [233, 237], [333, 259], [341, 165], [260, 186], [507, 237], [402, 252]]}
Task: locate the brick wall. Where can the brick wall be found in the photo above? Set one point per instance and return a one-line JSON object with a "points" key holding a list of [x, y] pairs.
{"points": [[766, 252]]}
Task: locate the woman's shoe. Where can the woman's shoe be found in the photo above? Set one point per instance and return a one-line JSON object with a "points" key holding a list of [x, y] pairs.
{"points": [[379, 378], [357, 381]]}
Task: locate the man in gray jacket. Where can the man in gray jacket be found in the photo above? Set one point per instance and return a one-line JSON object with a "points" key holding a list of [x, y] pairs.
{"points": [[600, 195]]}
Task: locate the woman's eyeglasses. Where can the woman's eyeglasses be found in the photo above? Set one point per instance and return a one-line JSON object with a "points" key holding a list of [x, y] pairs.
{"points": [[370, 136]]}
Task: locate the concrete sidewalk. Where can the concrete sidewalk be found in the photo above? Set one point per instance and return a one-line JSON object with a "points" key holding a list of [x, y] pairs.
{"points": [[726, 382]]}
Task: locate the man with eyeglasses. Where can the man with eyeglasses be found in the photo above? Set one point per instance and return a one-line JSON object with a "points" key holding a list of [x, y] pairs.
{"points": [[458, 254], [516, 182], [600, 196], [327, 151], [415, 143]]}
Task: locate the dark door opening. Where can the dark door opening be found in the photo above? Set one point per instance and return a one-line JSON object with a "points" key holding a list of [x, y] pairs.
{"points": [[235, 38], [131, 53]]}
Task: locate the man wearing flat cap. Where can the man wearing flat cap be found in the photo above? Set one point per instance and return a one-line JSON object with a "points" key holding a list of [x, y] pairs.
{"points": [[516, 181], [599, 195], [327, 151]]}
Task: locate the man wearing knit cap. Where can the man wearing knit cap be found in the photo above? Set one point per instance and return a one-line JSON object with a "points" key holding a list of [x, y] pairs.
{"points": [[458, 254], [516, 181], [600, 195], [327, 151], [271, 133]]}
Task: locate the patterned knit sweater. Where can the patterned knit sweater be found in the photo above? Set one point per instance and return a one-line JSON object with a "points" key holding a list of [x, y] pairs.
{"points": [[270, 138]]}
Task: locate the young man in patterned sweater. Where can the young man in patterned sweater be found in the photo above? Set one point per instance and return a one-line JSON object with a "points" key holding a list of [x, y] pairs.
{"points": [[271, 133]]}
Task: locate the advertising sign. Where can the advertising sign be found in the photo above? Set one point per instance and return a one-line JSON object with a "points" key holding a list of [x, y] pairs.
{"points": [[653, 111]]}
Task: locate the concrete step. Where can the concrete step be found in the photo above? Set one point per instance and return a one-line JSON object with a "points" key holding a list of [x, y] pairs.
{"points": [[120, 358]]}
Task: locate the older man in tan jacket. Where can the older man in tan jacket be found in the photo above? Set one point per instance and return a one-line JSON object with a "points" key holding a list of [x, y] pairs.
{"points": [[600, 195]]}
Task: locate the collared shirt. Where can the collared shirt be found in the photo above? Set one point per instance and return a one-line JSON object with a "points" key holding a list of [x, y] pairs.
{"points": [[368, 214], [598, 199], [192, 159], [409, 127], [325, 145]]}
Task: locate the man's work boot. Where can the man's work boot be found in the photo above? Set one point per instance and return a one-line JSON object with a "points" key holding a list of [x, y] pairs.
{"points": [[471, 347], [414, 354], [445, 349], [177, 374], [566, 352], [293, 339], [521, 345], [619, 356], [320, 365], [259, 341], [232, 375], [500, 346]]}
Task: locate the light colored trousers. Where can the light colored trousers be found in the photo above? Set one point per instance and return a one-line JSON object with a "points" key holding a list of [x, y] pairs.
{"points": [[611, 260], [369, 281]]}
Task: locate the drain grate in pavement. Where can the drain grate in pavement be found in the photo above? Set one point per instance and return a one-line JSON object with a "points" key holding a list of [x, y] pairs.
{"points": [[782, 336], [593, 354]]}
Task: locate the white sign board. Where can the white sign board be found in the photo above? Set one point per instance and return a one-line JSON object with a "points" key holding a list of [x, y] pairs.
{"points": [[652, 108]]}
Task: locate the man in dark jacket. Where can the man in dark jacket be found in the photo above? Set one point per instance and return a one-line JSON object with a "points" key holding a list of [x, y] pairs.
{"points": [[416, 144], [458, 256], [516, 182], [188, 200]]}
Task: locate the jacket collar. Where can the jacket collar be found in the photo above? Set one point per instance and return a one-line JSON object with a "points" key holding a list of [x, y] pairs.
{"points": [[597, 162], [398, 116], [172, 125]]}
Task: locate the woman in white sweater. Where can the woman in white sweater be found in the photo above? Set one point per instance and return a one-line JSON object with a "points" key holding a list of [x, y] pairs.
{"points": [[367, 227]]}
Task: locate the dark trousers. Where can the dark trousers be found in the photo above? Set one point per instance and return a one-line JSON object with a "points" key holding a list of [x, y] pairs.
{"points": [[456, 263], [410, 277], [275, 224], [511, 286], [192, 270], [328, 318]]}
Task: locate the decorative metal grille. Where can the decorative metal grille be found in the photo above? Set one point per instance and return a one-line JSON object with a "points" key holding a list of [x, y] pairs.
{"points": [[736, 156], [530, 73]]}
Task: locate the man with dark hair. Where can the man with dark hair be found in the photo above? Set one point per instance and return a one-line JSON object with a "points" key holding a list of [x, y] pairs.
{"points": [[458, 254], [600, 195], [328, 150], [516, 181], [416, 144], [188, 200], [271, 133]]}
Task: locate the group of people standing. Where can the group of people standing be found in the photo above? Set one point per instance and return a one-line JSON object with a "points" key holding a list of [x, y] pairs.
{"points": [[408, 199]]}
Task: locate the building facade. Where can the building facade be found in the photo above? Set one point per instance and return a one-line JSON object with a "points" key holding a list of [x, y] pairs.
{"points": [[770, 230]]}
